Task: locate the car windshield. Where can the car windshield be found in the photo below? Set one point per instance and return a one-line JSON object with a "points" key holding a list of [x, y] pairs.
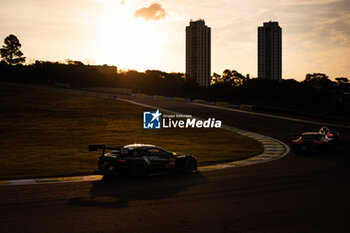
{"points": [[113, 152], [312, 137], [324, 130]]}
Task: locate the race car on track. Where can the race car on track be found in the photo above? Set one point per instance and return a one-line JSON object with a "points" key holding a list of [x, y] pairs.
{"points": [[140, 160], [332, 135], [312, 142]]}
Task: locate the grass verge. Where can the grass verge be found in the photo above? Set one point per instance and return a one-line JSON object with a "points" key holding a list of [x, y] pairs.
{"points": [[45, 133]]}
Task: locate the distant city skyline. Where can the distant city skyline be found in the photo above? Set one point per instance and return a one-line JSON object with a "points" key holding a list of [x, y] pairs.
{"points": [[147, 34]]}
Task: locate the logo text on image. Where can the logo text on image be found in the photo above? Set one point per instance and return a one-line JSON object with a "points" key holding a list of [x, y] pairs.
{"points": [[151, 120]]}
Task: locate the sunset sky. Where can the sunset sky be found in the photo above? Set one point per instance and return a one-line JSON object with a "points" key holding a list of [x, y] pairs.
{"points": [[142, 34]]}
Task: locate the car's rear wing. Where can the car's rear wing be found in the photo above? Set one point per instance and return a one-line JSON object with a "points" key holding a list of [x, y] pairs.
{"points": [[96, 147]]}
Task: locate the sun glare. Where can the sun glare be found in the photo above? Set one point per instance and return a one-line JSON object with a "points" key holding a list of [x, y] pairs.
{"points": [[126, 41]]}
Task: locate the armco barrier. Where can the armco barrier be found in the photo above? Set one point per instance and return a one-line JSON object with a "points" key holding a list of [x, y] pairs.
{"points": [[222, 104], [141, 95], [110, 90], [210, 102], [179, 98], [235, 106], [199, 101], [246, 107]]}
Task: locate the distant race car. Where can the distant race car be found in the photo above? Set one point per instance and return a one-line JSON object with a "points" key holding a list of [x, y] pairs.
{"points": [[332, 135], [312, 142], [140, 160]]}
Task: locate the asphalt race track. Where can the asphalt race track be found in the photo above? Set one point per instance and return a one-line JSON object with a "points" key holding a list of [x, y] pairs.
{"points": [[297, 193]]}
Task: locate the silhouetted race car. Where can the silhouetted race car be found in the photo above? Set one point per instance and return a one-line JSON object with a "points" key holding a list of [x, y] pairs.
{"points": [[140, 160], [312, 141], [332, 135]]}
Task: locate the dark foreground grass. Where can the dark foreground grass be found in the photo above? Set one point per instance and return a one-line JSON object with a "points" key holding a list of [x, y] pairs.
{"points": [[45, 133]]}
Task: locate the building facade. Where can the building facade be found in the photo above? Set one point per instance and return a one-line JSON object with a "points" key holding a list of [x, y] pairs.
{"points": [[270, 51], [198, 43]]}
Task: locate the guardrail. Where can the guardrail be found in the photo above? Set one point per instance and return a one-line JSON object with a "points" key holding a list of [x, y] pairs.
{"points": [[179, 98], [199, 101], [246, 107], [223, 104]]}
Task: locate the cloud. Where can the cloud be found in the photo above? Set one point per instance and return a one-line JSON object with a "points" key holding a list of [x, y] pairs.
{"points": [[153, 12], [332, 30], [312, 2]]}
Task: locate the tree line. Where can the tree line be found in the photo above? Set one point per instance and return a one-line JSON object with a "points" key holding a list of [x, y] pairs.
{"points": [[316, 93]]}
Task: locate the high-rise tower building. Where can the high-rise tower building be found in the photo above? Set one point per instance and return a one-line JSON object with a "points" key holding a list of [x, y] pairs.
{"points": [[198, 52], [270, 51]]}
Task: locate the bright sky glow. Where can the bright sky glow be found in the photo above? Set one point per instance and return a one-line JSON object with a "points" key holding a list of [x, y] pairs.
{"points": [[315, 33]]}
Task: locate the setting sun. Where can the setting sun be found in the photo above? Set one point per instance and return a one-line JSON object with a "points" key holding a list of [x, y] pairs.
{"points": [[126, 41], [146, 34]]}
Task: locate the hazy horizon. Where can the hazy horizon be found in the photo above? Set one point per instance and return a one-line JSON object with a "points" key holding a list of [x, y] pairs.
{"points": [[146, 34]]}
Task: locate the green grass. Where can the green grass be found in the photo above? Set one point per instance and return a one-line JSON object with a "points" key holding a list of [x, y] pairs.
{"points": [[46, 133]]}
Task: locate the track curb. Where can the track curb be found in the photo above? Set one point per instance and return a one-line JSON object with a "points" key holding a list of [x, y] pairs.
{"points": [[273, 149]]}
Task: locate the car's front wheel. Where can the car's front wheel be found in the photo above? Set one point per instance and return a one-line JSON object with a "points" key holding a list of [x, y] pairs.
{"points": [[190, 165]]}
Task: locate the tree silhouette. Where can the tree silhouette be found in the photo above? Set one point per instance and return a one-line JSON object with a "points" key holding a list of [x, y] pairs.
{"points": [[229, 78], [319, 79], [10, 52], [343, 82], [72, 62], [215, 78]]}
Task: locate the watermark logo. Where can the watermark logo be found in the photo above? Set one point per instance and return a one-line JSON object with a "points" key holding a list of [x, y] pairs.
{"points": [[152, 120]]}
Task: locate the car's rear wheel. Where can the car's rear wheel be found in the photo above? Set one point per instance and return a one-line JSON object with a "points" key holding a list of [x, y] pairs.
{"points": [[295, 150], [190, 165], [139, 170]]}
